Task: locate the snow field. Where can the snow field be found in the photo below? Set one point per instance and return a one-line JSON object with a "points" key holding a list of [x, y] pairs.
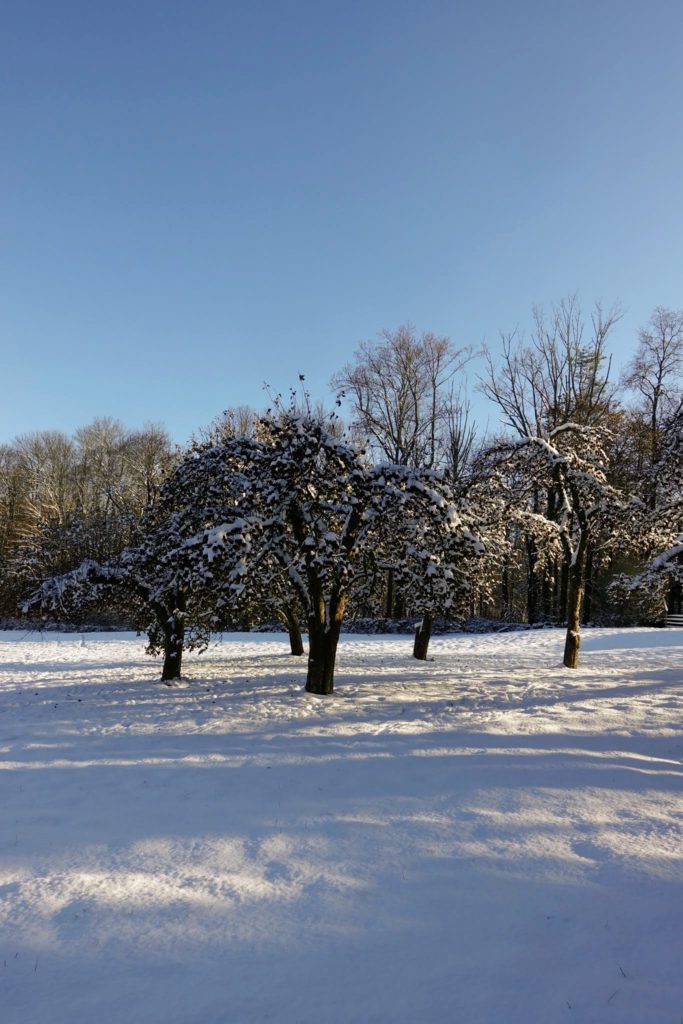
{"points": [[486, 837]]}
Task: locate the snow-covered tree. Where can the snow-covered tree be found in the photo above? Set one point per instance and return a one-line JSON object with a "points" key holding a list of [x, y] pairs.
{"points": [[216, 496], [435, 565], [660, 530], [154, 600], [154, 580], [571, 463], [560, 375], [320, 519]]}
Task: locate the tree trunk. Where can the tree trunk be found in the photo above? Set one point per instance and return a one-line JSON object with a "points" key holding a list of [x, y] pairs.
{"points": [[323, 638], [562, 612], [504, 591], [399, 611], [174, 635], [531, 582], [588, 590], [547, 592], [322, 652], [296, 644], [389, 596], [423, 634], [576, 577]]}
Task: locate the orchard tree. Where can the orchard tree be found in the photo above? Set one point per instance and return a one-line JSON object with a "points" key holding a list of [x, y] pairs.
{"points": [[154, 600], [317, 517], [560, 376], [571, 462], [214, 497], [435, 567], [158, 581]]}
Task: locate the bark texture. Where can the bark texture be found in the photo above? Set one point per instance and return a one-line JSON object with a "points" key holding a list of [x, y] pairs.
{"points": [[172, 622], [174, 635], [296, 644], [322, 652], [575, 587], [423, 634]]}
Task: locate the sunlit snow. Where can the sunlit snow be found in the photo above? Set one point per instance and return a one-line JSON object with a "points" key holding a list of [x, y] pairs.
{"points": [[484, 837]]}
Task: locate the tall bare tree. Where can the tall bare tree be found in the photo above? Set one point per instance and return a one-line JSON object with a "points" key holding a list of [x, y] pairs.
{"points": [[562, 374], [401, 390], [655, 375]]}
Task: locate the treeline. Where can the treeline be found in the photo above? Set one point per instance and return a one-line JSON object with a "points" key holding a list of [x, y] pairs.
{"points": [[65, 499], [571, 514]]}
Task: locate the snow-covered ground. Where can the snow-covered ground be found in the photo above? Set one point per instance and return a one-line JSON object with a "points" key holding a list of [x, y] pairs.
{"points": [[486, 837]]}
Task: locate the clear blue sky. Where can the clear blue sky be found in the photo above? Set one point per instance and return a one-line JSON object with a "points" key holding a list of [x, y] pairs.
{"points": [[198, 197]]}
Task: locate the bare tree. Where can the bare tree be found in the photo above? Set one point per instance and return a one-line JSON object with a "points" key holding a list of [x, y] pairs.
{"points": [[459, 434], [398, 389], [237, 421], [48, 463], [654, 374], [63, 500], [562, 374]]}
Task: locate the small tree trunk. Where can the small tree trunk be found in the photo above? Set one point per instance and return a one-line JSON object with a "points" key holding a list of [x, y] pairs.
{"points": [[573, 640], [547, 589], [389, 597], [505, 591], [423, 634], [563, 595], [174, 635], [588, 590], [296, 644], [575, 584], [399, 610], [531, 582]]}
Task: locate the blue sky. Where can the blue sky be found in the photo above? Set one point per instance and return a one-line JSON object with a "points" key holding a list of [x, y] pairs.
{"points": [[198, 198]]}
